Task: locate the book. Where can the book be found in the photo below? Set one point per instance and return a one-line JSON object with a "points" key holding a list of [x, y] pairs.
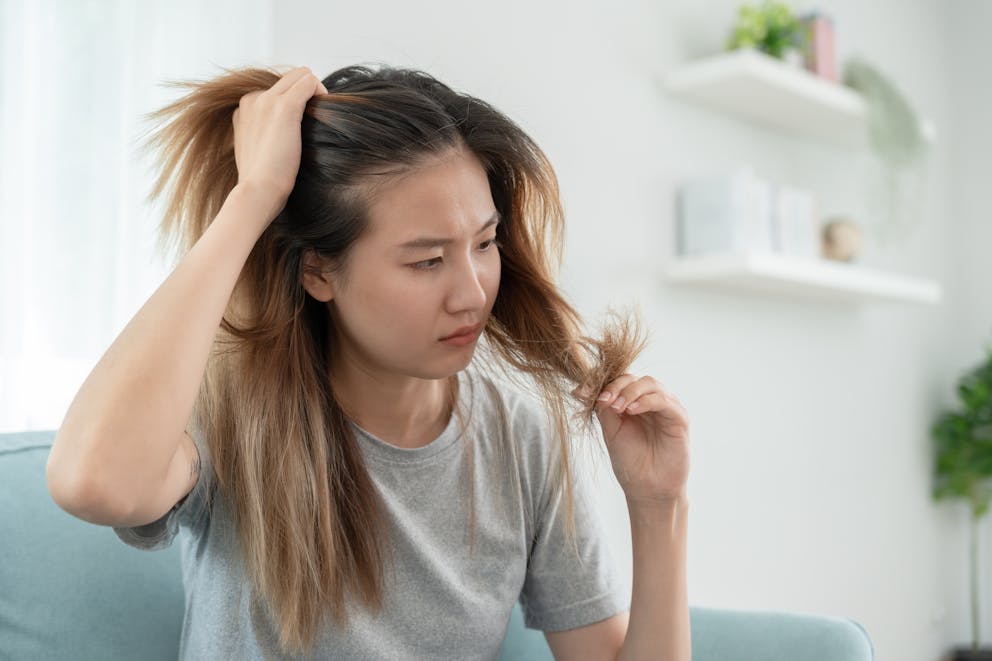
{"points": [[819, 54]]}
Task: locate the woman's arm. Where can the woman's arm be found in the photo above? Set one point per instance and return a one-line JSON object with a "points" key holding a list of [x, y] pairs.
{"points": [[659, 606], [646, 430], [657, 626], [115, 454], [125, 423]]}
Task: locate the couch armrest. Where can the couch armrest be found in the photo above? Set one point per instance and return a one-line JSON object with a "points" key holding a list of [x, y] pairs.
{"points": [[737, 635], [734, 635]]}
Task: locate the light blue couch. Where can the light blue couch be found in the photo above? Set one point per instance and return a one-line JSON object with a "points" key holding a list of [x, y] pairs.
{"points": [[73, 590]]}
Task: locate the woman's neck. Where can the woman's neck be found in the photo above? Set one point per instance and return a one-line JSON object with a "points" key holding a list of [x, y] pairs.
{"points": [[406, 412]]}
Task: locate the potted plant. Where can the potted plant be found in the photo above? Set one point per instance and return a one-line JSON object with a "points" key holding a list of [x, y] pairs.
{"points": [[963, 470], [771, 28]]}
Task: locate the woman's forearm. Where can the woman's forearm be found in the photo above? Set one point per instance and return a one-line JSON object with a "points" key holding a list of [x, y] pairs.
{"points": [[659, 608]]}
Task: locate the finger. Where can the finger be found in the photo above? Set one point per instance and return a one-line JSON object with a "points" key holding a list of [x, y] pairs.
{"points": [[289, 79], [636, 389], [248, 98], [612, 389], [649, 401], [305, 87], [323, 89]]}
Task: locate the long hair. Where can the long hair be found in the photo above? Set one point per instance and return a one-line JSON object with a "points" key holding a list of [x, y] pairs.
{"points": [[308, 516]]}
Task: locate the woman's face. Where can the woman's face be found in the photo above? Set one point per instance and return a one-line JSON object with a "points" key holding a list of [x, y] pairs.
{"points": [[400, 300]]}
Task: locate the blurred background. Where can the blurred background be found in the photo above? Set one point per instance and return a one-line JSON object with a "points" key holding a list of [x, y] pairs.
{"points": [[797, 201]]}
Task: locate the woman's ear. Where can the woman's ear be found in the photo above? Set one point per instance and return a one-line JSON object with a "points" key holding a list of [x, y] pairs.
{"points": [[317, 278]]}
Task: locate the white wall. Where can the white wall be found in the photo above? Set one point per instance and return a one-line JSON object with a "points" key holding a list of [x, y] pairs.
{"points": [[811, 456]]}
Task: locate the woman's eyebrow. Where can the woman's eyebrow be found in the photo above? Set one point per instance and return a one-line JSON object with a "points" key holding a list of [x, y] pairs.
{"points": [[431, 242]]}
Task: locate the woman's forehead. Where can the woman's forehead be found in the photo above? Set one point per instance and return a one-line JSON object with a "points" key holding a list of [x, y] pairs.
{"points": [[451, 195]]}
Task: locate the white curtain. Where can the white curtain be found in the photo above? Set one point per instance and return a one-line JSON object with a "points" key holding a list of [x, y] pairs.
{"points": [[77, 238]]}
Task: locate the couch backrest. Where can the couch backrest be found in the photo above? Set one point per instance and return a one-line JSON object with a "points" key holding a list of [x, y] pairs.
{"points": [[70, 589]]}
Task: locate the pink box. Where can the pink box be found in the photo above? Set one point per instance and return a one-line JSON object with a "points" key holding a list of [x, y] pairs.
{"points": [[819, 54]]}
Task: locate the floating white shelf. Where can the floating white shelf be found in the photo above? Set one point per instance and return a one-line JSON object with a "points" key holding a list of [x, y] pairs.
{"points": [[767, 90], [810, 278]]}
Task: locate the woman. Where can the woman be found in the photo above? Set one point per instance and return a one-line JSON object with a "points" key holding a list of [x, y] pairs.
{"points": [[345, 479]]}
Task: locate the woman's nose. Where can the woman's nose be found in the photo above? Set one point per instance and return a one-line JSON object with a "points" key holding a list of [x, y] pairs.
{"points": [[468, 290]]}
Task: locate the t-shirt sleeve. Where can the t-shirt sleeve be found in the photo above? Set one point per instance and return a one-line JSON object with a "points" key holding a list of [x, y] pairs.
{"points": [[562, 589], [191, 510]]}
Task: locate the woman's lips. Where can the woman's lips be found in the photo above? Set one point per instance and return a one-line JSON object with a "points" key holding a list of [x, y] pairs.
{"points": [[465, 331], [461, 340]]}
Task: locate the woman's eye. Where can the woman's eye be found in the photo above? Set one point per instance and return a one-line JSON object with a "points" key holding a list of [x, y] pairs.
{"points": [[429, 264], [426, 265]]}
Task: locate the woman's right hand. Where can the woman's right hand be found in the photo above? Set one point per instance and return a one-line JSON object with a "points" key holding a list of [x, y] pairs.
{"points": [[267, 143]]}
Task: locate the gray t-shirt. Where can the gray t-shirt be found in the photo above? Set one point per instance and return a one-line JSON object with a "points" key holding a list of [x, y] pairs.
{"points": [[440, 603]]}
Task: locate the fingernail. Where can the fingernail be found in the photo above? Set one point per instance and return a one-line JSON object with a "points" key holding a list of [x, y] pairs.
{"points": [[618, 405], [605, 396]]}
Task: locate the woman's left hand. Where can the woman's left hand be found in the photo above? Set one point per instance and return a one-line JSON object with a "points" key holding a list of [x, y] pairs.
{"points": [[646, 430]]}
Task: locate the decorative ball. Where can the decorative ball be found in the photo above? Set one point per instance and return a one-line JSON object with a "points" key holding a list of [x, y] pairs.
{"points": [[841, 239]]}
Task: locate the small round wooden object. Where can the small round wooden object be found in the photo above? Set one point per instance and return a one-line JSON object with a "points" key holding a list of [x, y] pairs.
{"points": [[841, 239]]}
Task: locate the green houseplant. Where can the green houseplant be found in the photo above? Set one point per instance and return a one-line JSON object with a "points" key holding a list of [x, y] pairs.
{"points": [[771, 28], [963, 470]]}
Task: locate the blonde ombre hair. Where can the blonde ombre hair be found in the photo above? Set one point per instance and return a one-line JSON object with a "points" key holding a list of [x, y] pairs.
{"points": [[307, 514]]}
